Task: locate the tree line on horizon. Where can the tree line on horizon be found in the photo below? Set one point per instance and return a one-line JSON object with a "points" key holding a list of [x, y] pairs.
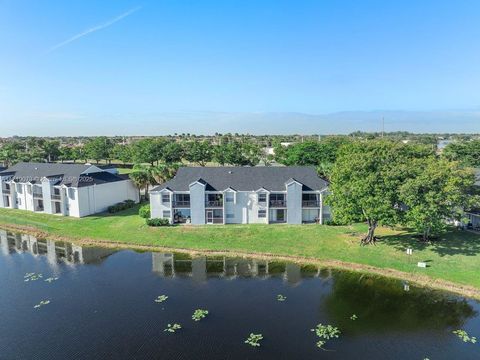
{"points": [[228, 149]]}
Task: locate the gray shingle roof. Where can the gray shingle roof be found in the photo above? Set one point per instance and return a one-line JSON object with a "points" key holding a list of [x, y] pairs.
{"points": [[66, 174], [245, 178]]}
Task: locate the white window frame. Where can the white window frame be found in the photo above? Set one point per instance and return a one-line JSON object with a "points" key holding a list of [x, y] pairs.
{"points": [[229, 197], [264, 211], [169, 198], [166, 212], [262, 194]]}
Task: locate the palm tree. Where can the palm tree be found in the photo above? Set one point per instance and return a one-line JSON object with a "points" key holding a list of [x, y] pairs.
{"points": [[164, 172], [142, 178]]}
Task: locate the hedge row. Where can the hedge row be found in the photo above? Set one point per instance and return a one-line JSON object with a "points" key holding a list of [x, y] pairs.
{"points": [[127, 204], [157, 222]]}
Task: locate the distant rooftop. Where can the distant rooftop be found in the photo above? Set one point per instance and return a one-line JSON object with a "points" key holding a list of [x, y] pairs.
{"points": [[74, 175]]}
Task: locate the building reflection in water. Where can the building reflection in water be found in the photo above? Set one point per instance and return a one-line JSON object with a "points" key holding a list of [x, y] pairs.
{"points": [[202, 267], [55, 251]]}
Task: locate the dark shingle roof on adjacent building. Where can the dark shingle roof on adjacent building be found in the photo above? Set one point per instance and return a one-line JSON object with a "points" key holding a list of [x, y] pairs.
{"points": [[245, 178], [65, 174]]}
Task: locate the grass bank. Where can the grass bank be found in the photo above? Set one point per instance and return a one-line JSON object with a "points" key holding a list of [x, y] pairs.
{"points": [[453, 261]]}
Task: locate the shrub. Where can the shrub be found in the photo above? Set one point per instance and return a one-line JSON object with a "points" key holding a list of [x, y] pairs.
{"points": [[144, 211], [130, 203], [157, 222], [127, 204]]}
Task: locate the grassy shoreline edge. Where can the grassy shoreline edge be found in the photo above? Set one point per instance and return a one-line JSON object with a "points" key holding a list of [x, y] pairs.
{"points": [[417, 279]]}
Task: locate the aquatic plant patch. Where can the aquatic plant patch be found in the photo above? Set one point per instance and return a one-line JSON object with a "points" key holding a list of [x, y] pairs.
{"points": [[281, 297], [51, 279], [41, 303], [171, 328], [254, 339], [199, 314], [465, 337], [325, 332], [32, 277], [161, 298], [353, 317]]}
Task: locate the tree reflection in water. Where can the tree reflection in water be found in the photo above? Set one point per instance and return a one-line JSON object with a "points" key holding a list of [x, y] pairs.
{"points": [[382, 304]]}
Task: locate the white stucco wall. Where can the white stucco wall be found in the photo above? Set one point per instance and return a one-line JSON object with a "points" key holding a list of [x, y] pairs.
{"points": [[197, 203], [157, 207], [97, 198], [245, 209]]}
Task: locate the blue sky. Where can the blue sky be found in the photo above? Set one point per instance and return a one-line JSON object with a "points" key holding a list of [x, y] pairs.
{"points": [[144, 67]]}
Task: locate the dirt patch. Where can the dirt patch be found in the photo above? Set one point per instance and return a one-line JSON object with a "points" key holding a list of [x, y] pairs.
{"points": [[422, 280]]}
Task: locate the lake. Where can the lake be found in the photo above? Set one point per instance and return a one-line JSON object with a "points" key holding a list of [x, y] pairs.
{"points": [[102, 306]]}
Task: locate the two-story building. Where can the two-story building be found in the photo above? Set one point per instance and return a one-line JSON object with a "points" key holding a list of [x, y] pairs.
{"points": [[242, 195], [65, 189]]}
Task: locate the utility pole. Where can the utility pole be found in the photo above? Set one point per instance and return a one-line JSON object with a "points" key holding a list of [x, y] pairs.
{"points": [[383, 126]]}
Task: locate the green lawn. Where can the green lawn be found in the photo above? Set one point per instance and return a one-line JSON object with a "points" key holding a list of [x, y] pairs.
{"points": [[124, 170], [456, 257]]}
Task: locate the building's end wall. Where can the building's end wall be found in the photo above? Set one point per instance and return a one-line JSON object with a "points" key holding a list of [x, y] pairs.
{"points": [[157, 207], [97, 198]]}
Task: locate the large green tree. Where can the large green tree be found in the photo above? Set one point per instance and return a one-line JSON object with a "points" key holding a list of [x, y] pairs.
{"points": [[237, 153], [435, 192], [172, 152], [122, 152], [198, 152], [321, 154], [365, 181], [147, 151], [99, 148], [10, 153], [465, 152], [51, 149]]}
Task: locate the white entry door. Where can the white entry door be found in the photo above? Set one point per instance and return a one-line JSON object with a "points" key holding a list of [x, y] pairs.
{"points": [[209, 216]]}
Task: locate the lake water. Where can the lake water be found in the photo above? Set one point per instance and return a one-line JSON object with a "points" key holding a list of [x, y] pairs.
{"points": [[102, 307]]}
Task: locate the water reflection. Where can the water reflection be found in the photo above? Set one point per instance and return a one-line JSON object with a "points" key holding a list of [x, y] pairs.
{"points": [[382, 305], [200, 268], [55, 251]]}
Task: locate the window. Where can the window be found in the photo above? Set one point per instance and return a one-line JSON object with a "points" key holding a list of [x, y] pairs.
{"points": [[230, 216], [229, 196], [277, 197], [56, 191], [262, 213], [166, 214], [165, 198], [262, 198], [20, 188], [19, 201], [71, 193]]}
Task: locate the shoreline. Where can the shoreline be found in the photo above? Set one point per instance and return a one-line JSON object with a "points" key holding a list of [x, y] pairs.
{"points": [[415, 279]]}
